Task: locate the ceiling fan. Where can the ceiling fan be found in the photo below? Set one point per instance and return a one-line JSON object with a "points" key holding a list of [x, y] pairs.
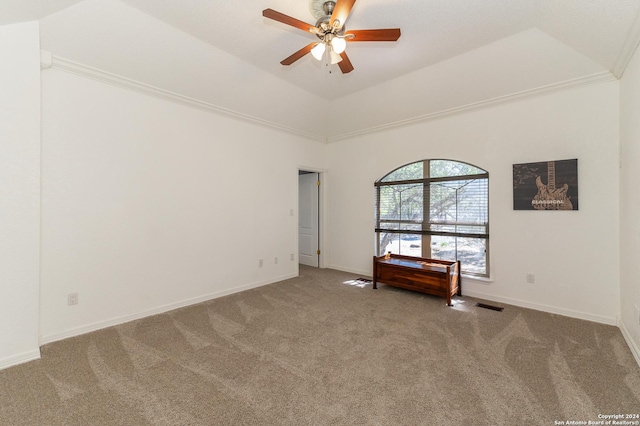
{"points": [[331, 31]]}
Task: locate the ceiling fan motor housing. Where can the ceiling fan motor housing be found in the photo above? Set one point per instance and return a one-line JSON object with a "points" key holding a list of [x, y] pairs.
{"points": [[328, 7], [326, 31]]}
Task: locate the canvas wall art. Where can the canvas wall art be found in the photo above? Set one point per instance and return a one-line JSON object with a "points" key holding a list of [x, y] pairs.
{"points": [[546, 185]]}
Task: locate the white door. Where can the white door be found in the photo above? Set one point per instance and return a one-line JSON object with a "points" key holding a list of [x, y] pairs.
{"points": [[308, 219]]}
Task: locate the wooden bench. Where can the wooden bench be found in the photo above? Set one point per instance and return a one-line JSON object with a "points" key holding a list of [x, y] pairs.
{"points": [[430, 276]]}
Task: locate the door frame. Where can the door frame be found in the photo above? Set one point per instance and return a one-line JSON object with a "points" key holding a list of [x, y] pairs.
{"points": [[321, 213]]}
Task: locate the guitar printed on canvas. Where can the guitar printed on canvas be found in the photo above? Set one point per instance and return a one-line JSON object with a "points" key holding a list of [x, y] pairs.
{"points": [[549, 197]]}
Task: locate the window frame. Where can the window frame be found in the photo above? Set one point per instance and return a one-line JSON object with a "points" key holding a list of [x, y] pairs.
{"points": [[426, 181]]}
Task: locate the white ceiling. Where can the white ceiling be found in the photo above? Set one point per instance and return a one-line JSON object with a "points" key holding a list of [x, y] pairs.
{"points": [[12, 11], [113, 35], [432, 31]]}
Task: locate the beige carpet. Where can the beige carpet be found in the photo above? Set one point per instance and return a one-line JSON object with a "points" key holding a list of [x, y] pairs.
{"points": [[315, 351]]}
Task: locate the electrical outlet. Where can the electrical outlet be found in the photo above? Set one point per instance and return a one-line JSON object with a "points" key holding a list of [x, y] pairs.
{"points": [[260, 263], [293, 257], [72, 299], [531, 278], [291, 212], [637, 314], [275, 261]]}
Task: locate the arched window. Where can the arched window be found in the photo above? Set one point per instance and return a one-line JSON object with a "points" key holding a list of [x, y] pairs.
{"points": [[437, 209]]}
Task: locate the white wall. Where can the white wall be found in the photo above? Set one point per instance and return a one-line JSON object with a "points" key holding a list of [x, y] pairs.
{"points": [[574, 255], [528, 60], [19, 192], [124, 41], [630, 204], [149, 205]]}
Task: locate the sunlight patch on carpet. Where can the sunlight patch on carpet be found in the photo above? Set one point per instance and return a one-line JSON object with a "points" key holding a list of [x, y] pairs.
{"points": [[358, 282]]}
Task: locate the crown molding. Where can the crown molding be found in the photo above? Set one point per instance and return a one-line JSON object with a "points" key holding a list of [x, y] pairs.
{"points": [[49, 61], [46, 60], [628, 48], [597, 78]]}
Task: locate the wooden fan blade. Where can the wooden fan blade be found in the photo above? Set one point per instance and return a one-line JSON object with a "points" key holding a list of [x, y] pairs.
{"points": [[345, 63], [285, 19], [341, 11], [299, 54], [387, 34]]}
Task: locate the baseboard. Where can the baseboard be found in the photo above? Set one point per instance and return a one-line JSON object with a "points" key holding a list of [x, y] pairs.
{"points": [[19, 359], [515, 302], [544, 308], [88, 328], [627, 337], [538, 307], [350, 270]]}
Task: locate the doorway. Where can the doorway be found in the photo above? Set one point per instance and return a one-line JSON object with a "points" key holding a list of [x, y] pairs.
{"points": [[309, 218]]}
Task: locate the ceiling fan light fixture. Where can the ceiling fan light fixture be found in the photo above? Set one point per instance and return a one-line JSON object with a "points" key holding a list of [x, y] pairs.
{"points": [[335, 58], [329, 29], [338, 44], [318, 51]]}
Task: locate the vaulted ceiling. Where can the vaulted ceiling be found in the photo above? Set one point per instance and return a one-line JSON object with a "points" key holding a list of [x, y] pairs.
{"points": [[451, 52]]}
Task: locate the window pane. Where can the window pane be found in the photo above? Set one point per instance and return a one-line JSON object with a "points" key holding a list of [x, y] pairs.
{"points": [[401, 202], [386, 242], [406, 244], [444, 248], [444, 205], [441, 168], [460, 201], [460, 229], [408, 172], [400, 226], [472, 254], [443, 228], [473, 202]]}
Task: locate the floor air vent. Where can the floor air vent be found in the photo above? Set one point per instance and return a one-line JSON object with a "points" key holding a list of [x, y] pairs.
{"points": [[493, 308]]}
